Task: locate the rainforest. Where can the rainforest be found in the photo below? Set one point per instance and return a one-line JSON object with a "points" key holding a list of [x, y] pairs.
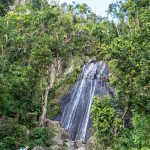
{"points": [[73, 80]]}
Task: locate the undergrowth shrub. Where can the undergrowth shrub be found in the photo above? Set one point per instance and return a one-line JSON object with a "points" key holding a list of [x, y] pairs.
{"points": [[41, 137], [103, 115], [14, 135]]}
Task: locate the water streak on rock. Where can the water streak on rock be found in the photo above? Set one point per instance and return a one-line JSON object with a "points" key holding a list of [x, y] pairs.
{"points": [[93, 80]]}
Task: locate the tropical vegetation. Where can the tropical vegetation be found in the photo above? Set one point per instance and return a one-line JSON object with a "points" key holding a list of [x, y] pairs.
{"points": [[39, 42]]}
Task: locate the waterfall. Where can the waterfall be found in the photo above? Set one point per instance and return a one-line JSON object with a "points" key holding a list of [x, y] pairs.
{"points": [[76, 114]]}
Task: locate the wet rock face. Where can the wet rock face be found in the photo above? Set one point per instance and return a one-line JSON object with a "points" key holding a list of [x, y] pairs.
{"points": [[61, 139], [92, 81], [38, 148]]}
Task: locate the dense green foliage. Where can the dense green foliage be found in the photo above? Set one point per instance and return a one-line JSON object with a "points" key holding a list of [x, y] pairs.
{"points": [[42, 47], [103, 115], [129, 61], [37, 45], [15, 135]]}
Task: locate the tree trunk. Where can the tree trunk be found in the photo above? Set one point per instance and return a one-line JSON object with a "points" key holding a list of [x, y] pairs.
{"points": [[53, 73], [52, 76]]}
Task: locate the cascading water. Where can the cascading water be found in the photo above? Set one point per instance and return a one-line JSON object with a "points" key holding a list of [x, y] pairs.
{"points": [[76, 114]]}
